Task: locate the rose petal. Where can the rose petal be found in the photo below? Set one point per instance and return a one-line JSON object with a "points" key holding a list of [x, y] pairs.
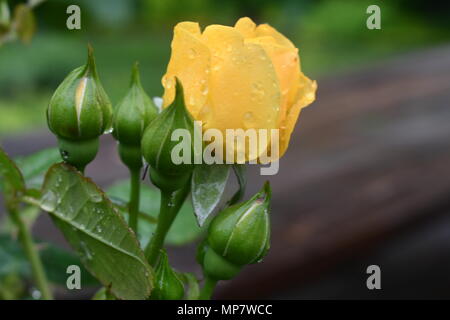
{"points": [[190, 62], [245, 92]]}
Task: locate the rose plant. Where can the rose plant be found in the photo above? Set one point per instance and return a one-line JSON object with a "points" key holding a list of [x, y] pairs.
{"points": [[245, 77]]}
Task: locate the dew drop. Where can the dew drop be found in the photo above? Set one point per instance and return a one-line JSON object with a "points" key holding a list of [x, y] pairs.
{"points": [[204, 88], [49, 201], [108, 130], [35, 294], [86, 251], [249, 119], [96, 198], [64, 155], [192, 53], [191, 100], [168, 83]]}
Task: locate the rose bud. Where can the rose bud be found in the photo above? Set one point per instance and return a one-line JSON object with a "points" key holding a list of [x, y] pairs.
{"points": [[237, 236], [168, 284], [78, 113], [131, 116], [171, 160]]}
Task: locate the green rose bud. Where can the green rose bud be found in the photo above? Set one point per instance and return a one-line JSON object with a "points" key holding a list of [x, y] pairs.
{"points": [[159, 150], [168, 284], [78, 113], [237, 236], [131, 116]]}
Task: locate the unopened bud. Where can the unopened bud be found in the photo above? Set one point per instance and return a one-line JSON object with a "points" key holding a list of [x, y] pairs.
{"points": [[78, 113], [131, 116], [168, 284], [241, 233], [158, 145]]}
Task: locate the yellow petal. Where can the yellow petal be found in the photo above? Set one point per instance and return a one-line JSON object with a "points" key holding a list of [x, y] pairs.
{"points": [[190, 62], [244, 88], [246, 27], [266, 30], [306, 95], [287, 67]]}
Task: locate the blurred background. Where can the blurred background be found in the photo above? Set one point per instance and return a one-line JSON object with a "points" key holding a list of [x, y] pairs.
{"points": [[366, 178]]}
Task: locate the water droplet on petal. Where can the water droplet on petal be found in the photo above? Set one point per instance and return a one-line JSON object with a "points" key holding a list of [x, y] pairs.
{"points": [[192, 53], [249, 119]]}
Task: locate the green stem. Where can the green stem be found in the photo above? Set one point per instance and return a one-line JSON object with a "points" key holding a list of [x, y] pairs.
{"points": [[208, 288], [134, 200], [32, 255], [170, 205]]}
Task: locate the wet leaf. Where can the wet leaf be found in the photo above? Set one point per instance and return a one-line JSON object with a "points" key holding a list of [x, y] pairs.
{"points": [[208, 185], [239, 170], [11, 181], [98, 233]]}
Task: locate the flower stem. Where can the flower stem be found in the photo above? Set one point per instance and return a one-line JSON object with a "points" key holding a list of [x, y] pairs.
{"points": [[134, 200], [32, 255], [208, 288], [170, 205]]}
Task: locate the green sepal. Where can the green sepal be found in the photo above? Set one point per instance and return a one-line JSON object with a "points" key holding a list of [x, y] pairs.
{"points": [[130, 155], [133, 113], [78, 153], [217, 267], [168, 284]]}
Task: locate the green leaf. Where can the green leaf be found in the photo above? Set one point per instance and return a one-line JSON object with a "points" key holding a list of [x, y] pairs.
{"points": [[55, 260], [239, 171], [184, 229], [12, 259], [12, 181], [35, 166], [89, 222], [208, 185]]}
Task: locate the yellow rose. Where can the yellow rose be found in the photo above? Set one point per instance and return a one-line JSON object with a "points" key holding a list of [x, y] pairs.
{"points": [[245, 77]]}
